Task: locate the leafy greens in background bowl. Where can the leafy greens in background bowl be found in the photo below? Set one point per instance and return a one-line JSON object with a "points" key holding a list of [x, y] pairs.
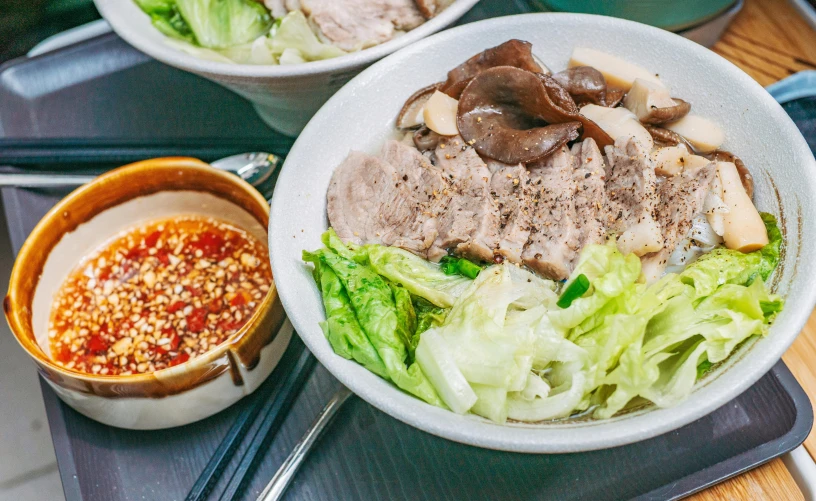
{"points": [[237, 31], [207, 37], [754, 124]]}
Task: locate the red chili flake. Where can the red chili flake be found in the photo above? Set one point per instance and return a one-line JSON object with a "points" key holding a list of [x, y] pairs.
{"points": [[150, 240], [136, 253], [215, 306], [175, 340], [97, 345], [240, 299], [175, 307], [179, 359], [64, 354], [209, 243], [164, 257], [197, 320]]}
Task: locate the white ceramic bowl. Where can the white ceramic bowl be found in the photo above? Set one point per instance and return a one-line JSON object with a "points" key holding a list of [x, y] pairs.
{"points": [[285, 97], [361, 116]]}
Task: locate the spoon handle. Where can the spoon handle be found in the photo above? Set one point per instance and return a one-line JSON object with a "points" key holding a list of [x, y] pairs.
{"points": [[277, 486], [43, 180]]}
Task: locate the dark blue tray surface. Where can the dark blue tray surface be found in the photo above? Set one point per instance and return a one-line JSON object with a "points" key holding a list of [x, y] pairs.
{"points": [[367, 454]]}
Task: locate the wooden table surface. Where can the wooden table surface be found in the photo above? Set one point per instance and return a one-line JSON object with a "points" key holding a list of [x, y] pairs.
{"points": [[770, 40]]}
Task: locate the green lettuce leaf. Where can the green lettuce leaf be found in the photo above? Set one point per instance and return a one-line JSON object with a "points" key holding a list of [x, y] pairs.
{"points": [[428, 314], [499, 346], [295, 33], [333, 242], [373, 303], [406, 317], [219, 24], [609, 273], [167, 19], [726, 266], [341, 327], [420, 277]]}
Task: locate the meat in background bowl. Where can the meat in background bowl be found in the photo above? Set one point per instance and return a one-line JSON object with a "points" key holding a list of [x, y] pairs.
{"points": [[285, 96], [754, 125]]}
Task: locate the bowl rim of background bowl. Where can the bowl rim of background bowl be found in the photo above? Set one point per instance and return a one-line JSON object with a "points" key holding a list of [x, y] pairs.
{"points": [[175, 57], [528, 438], [15, 318]]}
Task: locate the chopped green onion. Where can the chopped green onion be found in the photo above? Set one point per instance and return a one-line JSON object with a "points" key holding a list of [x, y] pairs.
{"points": [[576, 289], [704, 367], [449, 266], [459, 266]]}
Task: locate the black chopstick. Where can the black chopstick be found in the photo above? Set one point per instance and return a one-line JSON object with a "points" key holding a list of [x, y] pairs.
{"points": [[79, 151], [272, 415], [279, 382]]}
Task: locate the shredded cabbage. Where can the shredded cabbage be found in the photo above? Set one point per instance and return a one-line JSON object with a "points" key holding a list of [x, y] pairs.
{"points": [[294, 33], [237, 31], [500, 347]]}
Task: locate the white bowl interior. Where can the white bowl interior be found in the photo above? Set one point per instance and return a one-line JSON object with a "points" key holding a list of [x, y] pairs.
{"points": [[361, 116], [107, 225]]}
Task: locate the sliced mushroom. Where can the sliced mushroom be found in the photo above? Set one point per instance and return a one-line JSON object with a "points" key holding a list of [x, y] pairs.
{"points": [[665, 137], [614, 97], [745, 175], [669, 113], [411, 113], [515, 53], [584, 83], [562, 108], [652, 104], [425, 139], [504, 114], [544, 69]]}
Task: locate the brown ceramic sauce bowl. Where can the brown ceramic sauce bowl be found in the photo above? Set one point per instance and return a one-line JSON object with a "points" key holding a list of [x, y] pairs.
{"points": [[89, 217]]}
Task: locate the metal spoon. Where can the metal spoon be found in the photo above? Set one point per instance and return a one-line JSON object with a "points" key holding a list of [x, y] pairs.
{"points": [[276, 487], [256, 168]]}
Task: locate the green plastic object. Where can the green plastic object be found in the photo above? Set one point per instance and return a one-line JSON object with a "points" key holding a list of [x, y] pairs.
{"points": [[671, 15]]}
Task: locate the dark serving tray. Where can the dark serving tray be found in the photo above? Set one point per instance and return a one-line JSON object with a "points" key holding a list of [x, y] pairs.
{"points": [[366, 454]]}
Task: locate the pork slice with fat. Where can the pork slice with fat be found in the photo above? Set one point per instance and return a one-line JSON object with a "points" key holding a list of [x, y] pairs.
{"points": [[510, 188], [590, 178], [631, 198], [555, 237], [428, 184], [469, 225], [369, 202], [357, 24]]}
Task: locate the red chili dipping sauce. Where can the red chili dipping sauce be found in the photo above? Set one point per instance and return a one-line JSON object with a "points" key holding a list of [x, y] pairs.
{"points": [[157, 296]]}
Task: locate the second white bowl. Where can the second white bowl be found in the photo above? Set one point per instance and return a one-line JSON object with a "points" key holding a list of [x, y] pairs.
{"points": [[286, 96]]}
